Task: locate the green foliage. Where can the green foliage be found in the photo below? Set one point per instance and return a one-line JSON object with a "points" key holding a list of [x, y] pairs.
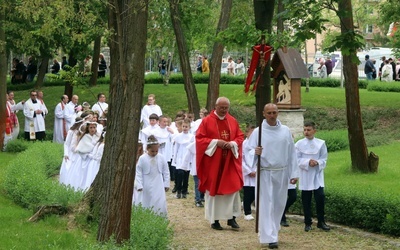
{"points": [[16, 146], [148, 231], [28, 182], [331, 82], [384, 86], [335, 140], [368, 209]]}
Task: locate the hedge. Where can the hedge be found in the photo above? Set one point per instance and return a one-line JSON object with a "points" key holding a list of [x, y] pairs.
{"points": [[384, 86], [365, 209], [177, 78], [30, 181]]}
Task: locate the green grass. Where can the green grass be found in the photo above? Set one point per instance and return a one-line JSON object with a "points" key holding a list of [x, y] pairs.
{"points": [[52, 233], [338, 171], [172, 98]]}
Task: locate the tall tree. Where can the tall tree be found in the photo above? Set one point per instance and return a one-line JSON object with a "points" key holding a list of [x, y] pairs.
{"points": [[190, 88], [3, 73], [112, 190], [218, 50], [350, 42], [264, 11]]}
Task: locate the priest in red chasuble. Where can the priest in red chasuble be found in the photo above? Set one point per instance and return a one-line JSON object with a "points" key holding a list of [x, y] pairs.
{"points": [[219, 165]]}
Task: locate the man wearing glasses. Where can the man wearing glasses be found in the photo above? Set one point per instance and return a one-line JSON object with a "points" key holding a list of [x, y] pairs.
{"points": [[34, 118], [278, 166]]}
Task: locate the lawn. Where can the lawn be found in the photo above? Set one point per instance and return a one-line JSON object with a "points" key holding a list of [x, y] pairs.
{"points": [[172, 98]]}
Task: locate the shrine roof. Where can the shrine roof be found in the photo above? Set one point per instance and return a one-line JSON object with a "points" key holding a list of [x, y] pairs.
{"points": [[292, 63]]}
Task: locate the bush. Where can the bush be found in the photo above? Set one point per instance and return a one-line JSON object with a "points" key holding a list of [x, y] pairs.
{"points": [[148, 231], [28, 179], [330, 82], [367, 209], [16, 146], [335, 140], [384, 86]]}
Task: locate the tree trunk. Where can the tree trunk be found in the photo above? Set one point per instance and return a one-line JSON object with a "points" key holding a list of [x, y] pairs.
{"points": [[263, 91], [358, 147], [3, 77], [112, 190], [68, 88], [216, 58], [95, 61], [190, 88], [44, 65]]}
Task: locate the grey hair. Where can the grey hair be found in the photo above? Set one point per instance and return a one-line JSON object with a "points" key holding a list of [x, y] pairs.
{"points": [[222, 98]]}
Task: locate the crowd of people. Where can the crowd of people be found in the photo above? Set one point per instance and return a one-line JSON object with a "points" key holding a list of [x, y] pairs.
{"points": [[223, 161], [21, 73], [213, 150]]}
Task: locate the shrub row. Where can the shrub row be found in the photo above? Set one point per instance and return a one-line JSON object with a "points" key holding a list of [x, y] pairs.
{"points": [[384, 86], [177, 78], [29, 181], [367, 209]]}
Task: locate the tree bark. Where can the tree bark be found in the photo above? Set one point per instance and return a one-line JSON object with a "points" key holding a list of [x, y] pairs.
{"points": [[358, 147], [44, 65], [3, 76], [190, 88], [263, 91], [95, 61], [111, 191], [216, 61]]}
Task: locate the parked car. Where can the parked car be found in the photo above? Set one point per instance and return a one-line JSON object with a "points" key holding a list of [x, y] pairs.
{"points": [[224, 68]]}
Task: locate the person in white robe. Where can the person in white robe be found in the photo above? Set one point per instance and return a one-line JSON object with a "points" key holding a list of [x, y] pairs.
{"points": [[149, 130], [60, 125], [71, 141], [163, 134], [94, 161], [100, 106], [278, 162], [78, 168], [249, 176], [152, 178], [312, 155], [34, 112], [150, 108], [40, 97], [15, 107], [182, 140], [70, 112]]}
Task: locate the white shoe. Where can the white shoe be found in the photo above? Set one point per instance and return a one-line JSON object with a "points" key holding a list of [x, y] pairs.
{"points": [[249, 217]]}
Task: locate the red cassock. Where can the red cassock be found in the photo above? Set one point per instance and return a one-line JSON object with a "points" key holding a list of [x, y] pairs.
{"points": [[220, 173]]}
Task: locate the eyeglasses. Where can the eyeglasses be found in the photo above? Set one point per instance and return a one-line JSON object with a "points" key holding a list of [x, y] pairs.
{"points": [[271, 113], [33, 95]]}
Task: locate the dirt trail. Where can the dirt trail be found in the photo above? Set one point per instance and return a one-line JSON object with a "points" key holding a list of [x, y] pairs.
{"points": [[192, 231]]}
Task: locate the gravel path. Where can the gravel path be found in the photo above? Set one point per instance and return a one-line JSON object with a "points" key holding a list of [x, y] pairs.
{"points": [[192, 231]]}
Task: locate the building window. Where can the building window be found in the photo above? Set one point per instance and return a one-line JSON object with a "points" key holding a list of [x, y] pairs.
{"points": [[368, 28]]}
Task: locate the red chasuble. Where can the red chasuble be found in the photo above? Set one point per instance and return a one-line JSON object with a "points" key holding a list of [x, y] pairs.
{"points": [[221, 173]]}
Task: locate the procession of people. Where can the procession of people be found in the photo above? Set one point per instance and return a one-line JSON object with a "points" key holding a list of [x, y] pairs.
{"points": [[213, 149]]}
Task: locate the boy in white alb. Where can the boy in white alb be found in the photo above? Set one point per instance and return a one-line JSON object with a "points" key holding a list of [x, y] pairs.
{"points": [[182, 140], [312, 155]]}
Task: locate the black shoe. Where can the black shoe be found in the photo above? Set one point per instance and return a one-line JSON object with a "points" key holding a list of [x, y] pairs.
{"points": [[273, 245], [307, 228], [178, 195], [216, 226], [199, 204], [323, 226], [183, 195], [233, 224], [284, 223], [174, 190]]}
